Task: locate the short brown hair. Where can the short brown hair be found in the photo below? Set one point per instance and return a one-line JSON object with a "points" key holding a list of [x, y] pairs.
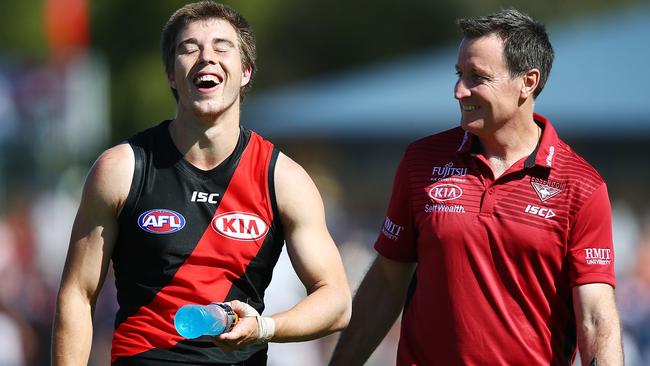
{"points": [[526, 44], [208, 10]]}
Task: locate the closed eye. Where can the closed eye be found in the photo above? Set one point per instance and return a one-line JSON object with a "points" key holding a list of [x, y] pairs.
{"points": [[223, 45], [187, 48]]}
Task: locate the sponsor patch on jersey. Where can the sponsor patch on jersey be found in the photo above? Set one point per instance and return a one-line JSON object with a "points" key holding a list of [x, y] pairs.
{"points": [[204, 197], [240, 226], [161, 221], [437, 207], [391, 230], [442, 172], [445, 192], [544, 212], [598, 256], [546, 189]]}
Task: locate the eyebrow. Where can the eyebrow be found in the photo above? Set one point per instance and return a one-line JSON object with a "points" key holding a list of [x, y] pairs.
{"points": [[214, 41], [475, 69]]}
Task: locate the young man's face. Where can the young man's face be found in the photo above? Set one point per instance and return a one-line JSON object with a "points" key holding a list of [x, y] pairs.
{"points": [[208, 71], [487, 95]]}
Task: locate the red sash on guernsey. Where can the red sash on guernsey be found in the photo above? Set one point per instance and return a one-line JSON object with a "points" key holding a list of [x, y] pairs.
{"points": [[212, 267]]}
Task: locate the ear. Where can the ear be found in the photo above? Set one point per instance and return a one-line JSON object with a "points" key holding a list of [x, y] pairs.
{"points": [[246, 75], [531, 81]]}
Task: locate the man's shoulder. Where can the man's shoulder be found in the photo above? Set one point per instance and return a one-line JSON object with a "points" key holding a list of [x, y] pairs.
{"points": [[567, 164], [116, 160], [573, 165], [110, 176]]}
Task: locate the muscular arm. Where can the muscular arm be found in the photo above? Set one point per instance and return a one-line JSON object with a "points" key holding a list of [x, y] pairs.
{"points": [[316, 260], [599, 330], [376, 305], [314, 257], [91, 245]]}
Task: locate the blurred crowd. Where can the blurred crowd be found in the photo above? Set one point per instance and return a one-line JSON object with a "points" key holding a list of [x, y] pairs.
{"points": [[41, 174]]}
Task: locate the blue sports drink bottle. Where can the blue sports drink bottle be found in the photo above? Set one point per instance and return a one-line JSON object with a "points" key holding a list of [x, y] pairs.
{"points": [[192, 320]]}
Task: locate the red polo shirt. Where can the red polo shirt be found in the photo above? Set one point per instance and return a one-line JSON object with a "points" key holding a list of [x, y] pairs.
{"points": [[497, 259]]}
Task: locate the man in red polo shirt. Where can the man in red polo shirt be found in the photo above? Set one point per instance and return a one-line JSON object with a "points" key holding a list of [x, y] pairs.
{"points": [[502, 231]]}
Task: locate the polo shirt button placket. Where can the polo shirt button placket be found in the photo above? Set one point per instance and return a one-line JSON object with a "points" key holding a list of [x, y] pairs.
{"points": [[487, 204]]}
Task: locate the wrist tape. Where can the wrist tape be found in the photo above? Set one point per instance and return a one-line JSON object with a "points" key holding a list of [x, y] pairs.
{"points": [[265, 325], [265, 329]]}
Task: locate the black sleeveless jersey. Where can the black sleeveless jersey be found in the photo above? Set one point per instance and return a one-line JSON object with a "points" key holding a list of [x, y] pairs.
{"points": [[187, 235]]}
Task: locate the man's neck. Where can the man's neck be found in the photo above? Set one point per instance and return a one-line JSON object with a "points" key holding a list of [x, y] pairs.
{"points": [[205, 142], [510, 143]]}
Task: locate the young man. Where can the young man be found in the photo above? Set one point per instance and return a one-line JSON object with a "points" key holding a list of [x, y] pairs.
{"points": [[196, 210], [501, 230]]}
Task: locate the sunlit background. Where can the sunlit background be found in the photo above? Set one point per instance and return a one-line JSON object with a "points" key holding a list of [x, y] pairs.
{"points": [[342, 87]]}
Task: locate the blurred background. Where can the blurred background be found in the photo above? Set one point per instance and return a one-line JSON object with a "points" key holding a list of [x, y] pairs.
{"points": [[342, 87]]}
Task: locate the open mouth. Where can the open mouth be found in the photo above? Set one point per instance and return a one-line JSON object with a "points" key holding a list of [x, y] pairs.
{"points": [[206, 82], [469, 108]]}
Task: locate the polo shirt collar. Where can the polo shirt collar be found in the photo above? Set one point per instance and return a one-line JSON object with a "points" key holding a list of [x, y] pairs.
{"points": [[542, 156]]}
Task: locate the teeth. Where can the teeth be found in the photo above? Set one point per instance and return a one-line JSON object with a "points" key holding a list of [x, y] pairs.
{"points": [[469, 108], [204, 78]]}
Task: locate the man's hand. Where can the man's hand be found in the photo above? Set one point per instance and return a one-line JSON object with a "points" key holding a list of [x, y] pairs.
{"points": [[250, 328]]}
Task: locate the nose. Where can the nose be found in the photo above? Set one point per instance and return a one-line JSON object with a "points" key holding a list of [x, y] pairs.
{"points": [[460, 90], [208, 55]]}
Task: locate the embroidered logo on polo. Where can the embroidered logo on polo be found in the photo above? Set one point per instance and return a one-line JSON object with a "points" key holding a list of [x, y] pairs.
{"points": [[438, 207], [240, 226], [442, 172], [546, 189], [445, 192], [161, 221], [549, 157], [544, 212], [600, 256], [391, 230]]}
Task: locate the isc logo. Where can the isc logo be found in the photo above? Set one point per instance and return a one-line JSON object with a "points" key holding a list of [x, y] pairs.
{"points": [[240, 226], [445, 192], [161, 221], [544, 212], [204, 197]]}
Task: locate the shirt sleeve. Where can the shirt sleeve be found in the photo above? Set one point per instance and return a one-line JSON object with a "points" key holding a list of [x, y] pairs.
{"points": [[591, 249], [396, 239]]}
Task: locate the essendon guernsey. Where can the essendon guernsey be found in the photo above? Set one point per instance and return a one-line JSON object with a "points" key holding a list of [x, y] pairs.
{"points": [[192, 236], [497, 258]]}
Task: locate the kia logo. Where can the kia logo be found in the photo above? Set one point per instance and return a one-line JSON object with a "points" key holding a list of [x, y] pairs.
{"points": [[240, 226], [445, 192]]}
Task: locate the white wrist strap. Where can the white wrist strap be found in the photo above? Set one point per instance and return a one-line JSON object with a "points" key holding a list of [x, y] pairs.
{"points": [[265, 325], [265, 329]]}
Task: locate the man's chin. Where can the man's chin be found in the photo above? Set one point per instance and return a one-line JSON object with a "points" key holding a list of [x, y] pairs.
{"points": [[207, 109], [471, 125], [212, 107]]}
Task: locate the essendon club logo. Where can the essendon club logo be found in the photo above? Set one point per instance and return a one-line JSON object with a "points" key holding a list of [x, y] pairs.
{"points": [[546, 189], [240, 226]]}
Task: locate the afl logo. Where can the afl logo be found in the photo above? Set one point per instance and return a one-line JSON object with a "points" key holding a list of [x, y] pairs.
{"points": [[240, 226], [161, 221], [445, 192]]}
